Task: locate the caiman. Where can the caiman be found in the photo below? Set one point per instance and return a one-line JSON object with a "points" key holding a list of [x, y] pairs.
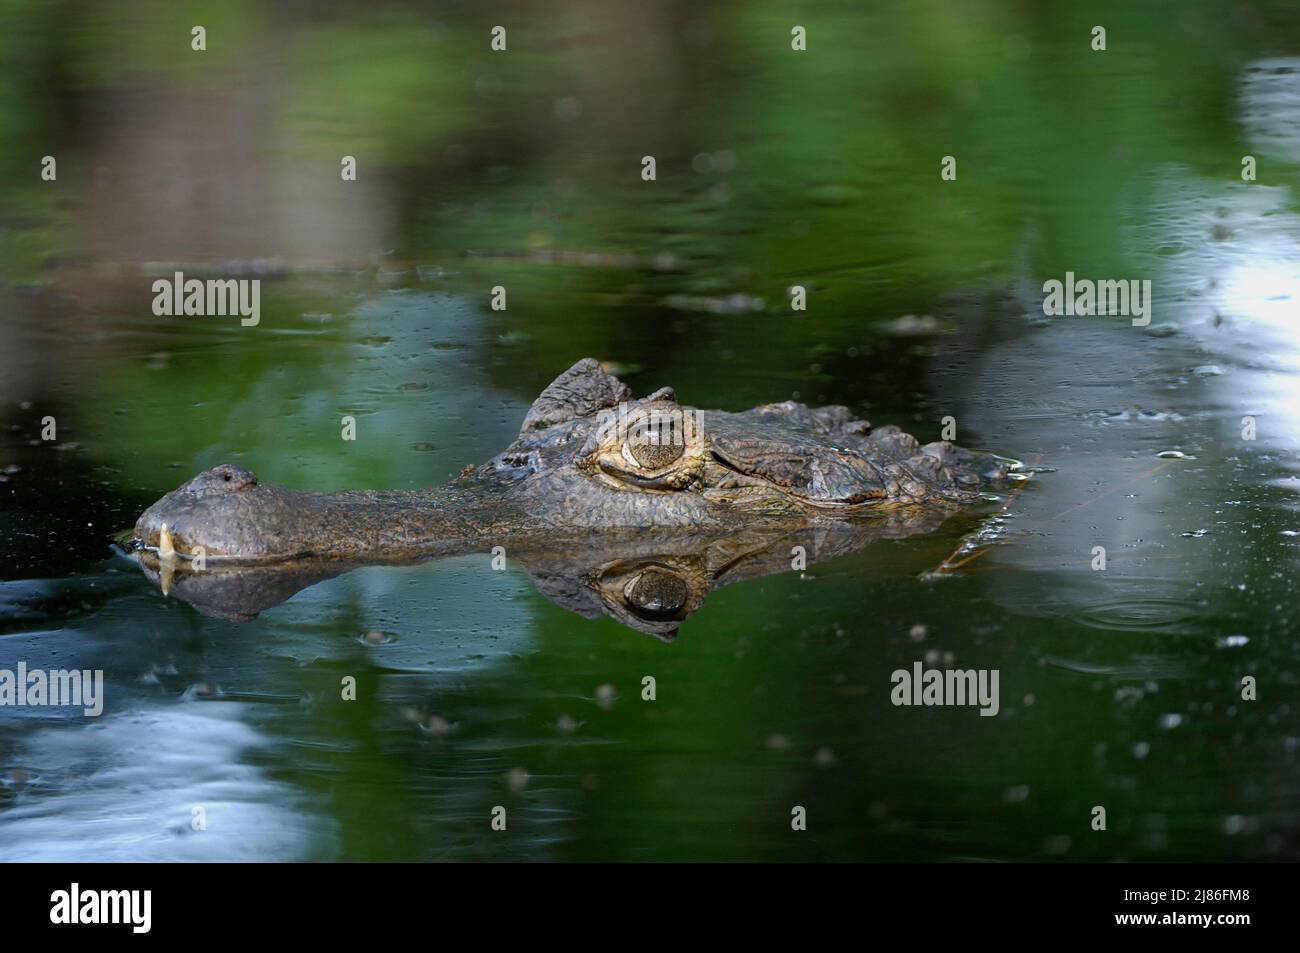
{"points": [[589, 459]]}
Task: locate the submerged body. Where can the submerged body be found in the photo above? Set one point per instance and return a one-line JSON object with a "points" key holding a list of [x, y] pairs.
{"points": [[588, 458]]}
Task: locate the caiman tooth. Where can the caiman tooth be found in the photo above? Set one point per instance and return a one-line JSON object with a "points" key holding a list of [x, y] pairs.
{"points": [[166, 570], [166, 548]]}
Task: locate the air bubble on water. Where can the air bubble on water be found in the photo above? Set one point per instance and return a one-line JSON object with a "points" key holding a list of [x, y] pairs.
{"points": [[1141, 750], [568, 109], [1057, 845], [434, 725], [1170, 721], [517, 778], [1232, 641]]}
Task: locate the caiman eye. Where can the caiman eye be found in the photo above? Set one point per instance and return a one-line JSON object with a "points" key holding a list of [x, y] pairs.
{"points": [[654, 443]]}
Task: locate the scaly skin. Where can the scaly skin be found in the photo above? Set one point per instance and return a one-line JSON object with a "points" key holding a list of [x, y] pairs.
{"points": [[588, 459]]}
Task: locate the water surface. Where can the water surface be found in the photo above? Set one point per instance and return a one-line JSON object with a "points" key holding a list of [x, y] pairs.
{"points": [[1120, 688]]}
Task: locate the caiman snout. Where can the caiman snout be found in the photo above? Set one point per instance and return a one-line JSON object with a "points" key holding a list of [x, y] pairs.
{"points": [[202, 517]]}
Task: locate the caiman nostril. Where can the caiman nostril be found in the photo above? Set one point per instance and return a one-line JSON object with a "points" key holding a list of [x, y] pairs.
{"points": [[226, 476]]}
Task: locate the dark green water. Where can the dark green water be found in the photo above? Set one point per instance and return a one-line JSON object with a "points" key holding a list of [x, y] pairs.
{"points": [[1120, 688]]}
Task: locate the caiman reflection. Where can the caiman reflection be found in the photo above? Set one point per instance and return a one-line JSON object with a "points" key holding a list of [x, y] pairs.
{"points": [[649, 581]]}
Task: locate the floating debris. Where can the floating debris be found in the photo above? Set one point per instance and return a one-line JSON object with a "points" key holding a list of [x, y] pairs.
{"points": [[1134, 413], [663, 262], [738, 303], [833, 195], [911, 325]]}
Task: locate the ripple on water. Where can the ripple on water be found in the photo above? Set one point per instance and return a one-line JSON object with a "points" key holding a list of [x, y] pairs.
{"points": [[1168, 616]]}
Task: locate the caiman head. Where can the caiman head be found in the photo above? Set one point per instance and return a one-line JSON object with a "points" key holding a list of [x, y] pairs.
{"points": [[589, 457]]}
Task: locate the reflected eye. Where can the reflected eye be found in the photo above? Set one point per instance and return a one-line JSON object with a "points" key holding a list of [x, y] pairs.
{"points": [[657, 593], [654, 443]]}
